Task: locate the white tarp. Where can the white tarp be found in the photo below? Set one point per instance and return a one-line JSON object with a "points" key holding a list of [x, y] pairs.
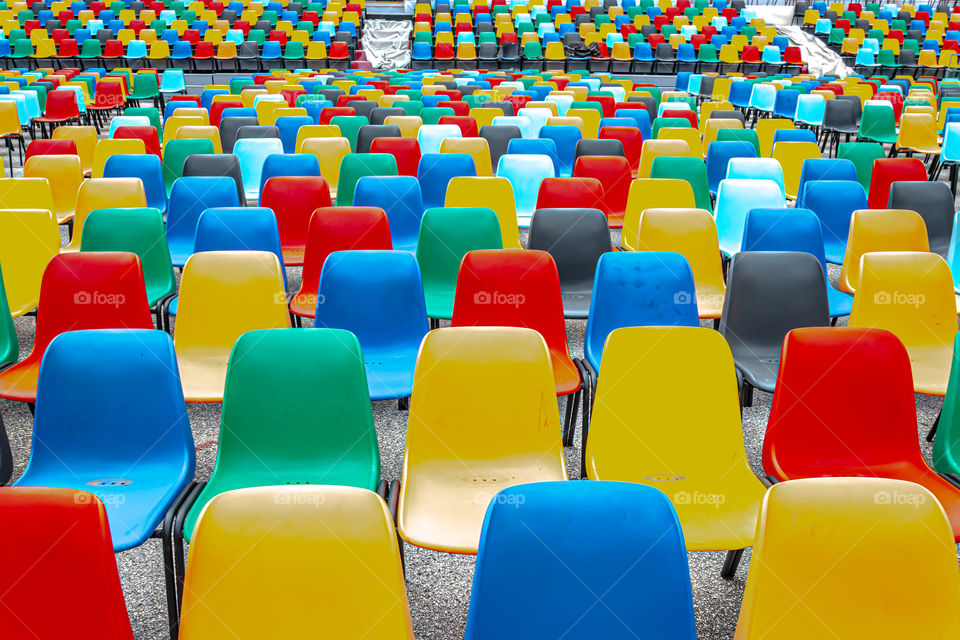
{"points": [[386, 43], [820, 59]]}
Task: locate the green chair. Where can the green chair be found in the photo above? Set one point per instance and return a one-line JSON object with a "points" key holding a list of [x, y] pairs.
{"points": [[707, 55], [356, 165], [293, 54], [237, 85], [663, 123], [22, 49], [176, 152], [271, 17], [150, 112], [316, 399], [349, 128], [432, 115], [946, 444], [140, 231], [257, 35], [877, 124], [693, 170], [747, 135], [145, 87], [410, 107], [446, 235], [862, 155], [9, 345], [89, 50], [888, 60], [835, 38]]}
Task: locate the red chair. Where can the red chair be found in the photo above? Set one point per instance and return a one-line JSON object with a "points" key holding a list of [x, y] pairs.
{"points": [[750, 56], [279, 36], [687, 114], [60, 551], [460, 108], [607, 102], [337, 229], [144, 132], [652, 110], [793, 57], [339, 54], [328, 113], [630, 138], [290, 95], [203, 56], [844, 406], [886, 171], [405, 150], [520, 288], [518, 102], [61, 108], [570, 193], [68, 49], [895, 100], [48, 147], [137, 26], [614, 174], [217, 108], [293, 200], [343, 101], [443, 51], [467, 124], [192, 36], [112, 50], [107, 97], [92, 290], [59, 34]]}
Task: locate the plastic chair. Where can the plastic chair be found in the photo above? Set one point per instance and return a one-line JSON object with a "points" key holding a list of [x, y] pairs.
{"points": [[824, 169], [344, 533], [877, 123], [133, 375], [766, 130], [30, 238], [614, 174], [691, 169], [435, 171], [755, 169], [104, 193], [288, 165], [735, 198], [147, 168], [718, 157], [880, 230], [858, 521], [399, 197], [693, 234], [911, 295], [446, 235], [934, 202], [189, 198], [525, 172], [576, 238], [238, 229], [430, 136], [293, 200], [497, 194], [175, 154], [64, 552], [625, 448], [886, 171], [833, 201], [520, 288], [918, 134], [810, 434], [436, 509], [84, 291], [566, 139], [650, 193], [643, 288], [355, 166], [768, 294], [524, 533], [791, 156], [252, 153]]}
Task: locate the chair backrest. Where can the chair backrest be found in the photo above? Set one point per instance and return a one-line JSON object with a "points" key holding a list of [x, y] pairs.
{"points": [[64, 552], [880, 230], [497, 194], [189, 198], [856, 521], [834, 201], [104, 193], [824, 169], [735, 198], [886, 171], [934, 202], [524, 534], [576, 238], [400, 198], [341, 532], [434, 172], [354, 166]]}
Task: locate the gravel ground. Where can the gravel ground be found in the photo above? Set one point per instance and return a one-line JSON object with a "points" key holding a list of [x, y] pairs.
{"points": [[438, 584]]}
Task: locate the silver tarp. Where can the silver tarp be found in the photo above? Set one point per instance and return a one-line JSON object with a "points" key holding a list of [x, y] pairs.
{"points": [[386, 43], [820, 59]]}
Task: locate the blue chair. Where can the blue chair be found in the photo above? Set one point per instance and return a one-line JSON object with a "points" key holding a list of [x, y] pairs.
{"points": [[834, 201], [126, 121], [740, 92], [430, 136], [145, 166], [565, 138], [641, 118], [181, 50], [289, 126], [280, 164], [252, 153], [271, 50], [719, 154], [575, 542], [435, 171], [400, 198], [207, 95], [93, 386], [421, 52], [378, 296], [636, 289], [756, 169], [523, 123], [785, 104], [793, 135], [314, 107], [643, 59], [735, 198], [793, 230], [433, 100], [190, 197], [535, 146], [239, 229], [525, 172], [136, 50], [824, 169], [172, 81], [687, 56], [762, 98], [810, 109]]}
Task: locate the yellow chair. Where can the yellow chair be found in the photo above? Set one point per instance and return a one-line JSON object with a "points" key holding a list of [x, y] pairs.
{"points": [[29, 192], [705, 474], [591, 120], [880, 230], [693, 234], [918, 134], [409, 125], [478, 148], [213, 286], [911, 294], [766, 128], [495, 193], [655, 148], [485, 115], [86, 140], [460, 448], [821, 565], [329, 152], [653, 193], [688, 134], [308, 131], [111, 147], [104, 193], [207, 132], [29, 239], [791, 156], [295, 534], [265, 109], [64, 175], [712, 126], [174, 123], [707, 108], [159, 50]]}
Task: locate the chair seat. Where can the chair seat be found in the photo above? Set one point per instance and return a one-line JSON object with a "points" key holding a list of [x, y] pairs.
{"points": [[390, 372], [565, 373], [931, 368], [576, 302], [293, 256], [443, 506], [760, 370], [840, 303], [135, 509], [203, 372], [180, 251], [932, 151], [439, 300], [709, 300], [19, 382], [304, 305]]}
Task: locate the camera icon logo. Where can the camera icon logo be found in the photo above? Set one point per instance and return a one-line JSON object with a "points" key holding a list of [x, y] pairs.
{"points": [[82, 297], [682, 297], [882, 297], [482, 297]]}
